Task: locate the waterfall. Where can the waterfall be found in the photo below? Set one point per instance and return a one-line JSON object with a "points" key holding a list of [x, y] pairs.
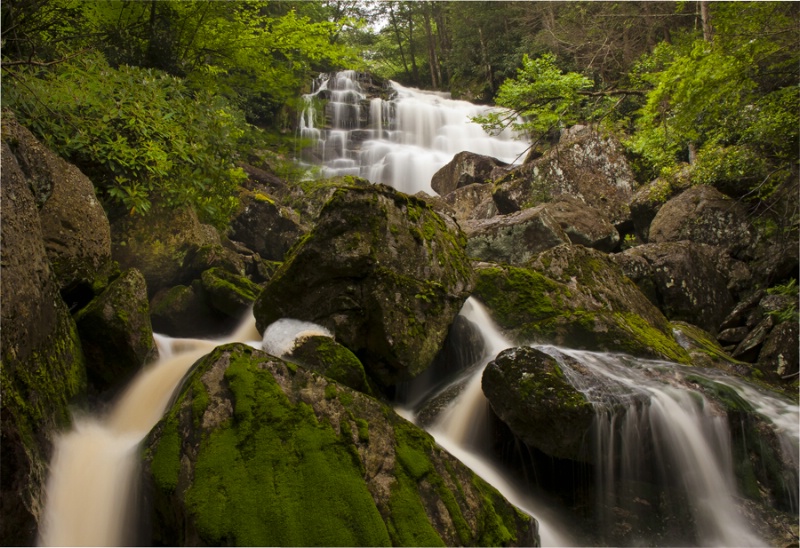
{"points": [[92, 484], [401, 141], [649, 429]]}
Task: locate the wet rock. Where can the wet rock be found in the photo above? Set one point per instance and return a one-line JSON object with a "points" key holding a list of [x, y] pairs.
{"points": [[529, 392], [42, 362], [779, 353], [383, 272], [748, 349], [116, 332], [228, 293], [577, 297], [705, 351], [467, 168], [515, 238], [255, 451], [584, 165], [704, 215], [326, 357], [732, 335], [184, 311], [742, 311]]}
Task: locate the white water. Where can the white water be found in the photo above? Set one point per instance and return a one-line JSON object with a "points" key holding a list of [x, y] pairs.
{"points": [[400, 142], [91, 487], [689, 438]]}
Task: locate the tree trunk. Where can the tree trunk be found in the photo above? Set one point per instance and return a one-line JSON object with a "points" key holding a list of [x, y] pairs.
{"points": [[485, 59], [399, 37], [705, 17], [433, 62], [414, 69]]}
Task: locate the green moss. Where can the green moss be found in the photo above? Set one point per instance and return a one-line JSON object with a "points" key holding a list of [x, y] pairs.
{"points": [[275, 476], [363, 430], [166, 460], [330, 391], [647, 338], [200, 400]]}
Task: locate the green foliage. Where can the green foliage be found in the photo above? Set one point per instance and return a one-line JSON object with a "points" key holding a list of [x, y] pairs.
{"points": [[790, 311], [137, 133], [542, 94], [734, 100]]}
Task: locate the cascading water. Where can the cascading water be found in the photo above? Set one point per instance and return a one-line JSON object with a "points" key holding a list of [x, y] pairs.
{"points": [[91, 488], [399, 141], [650, 429]]}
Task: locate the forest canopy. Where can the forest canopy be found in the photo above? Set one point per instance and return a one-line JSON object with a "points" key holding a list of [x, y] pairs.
{"points": [[157, 100]]}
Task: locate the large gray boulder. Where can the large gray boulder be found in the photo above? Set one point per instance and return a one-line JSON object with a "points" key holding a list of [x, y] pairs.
{"points": [[383, 272], [515, 238], [472, 202], [704, 215], [467, 168], [42, 362], [584, 224], [529, 391], [75, 229], [585, 164], [259, 452]]}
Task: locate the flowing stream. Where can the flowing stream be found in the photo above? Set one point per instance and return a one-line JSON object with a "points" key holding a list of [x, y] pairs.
{"points": [[402, 140]]}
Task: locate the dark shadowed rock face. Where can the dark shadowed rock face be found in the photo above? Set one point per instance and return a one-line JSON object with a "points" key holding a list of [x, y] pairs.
{"points": [[259, 452], [530, 393], [381, 270], [704, 215], [115, 331], [467, 168], [42, 362], [515, 238], [687, 281], [74, 226], [265, 226]]}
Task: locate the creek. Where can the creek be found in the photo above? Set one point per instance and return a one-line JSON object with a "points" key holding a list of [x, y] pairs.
{"points": [[676, 442]]}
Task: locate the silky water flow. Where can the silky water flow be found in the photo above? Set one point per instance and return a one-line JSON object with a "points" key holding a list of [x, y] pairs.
{"points": [[402, 140]]}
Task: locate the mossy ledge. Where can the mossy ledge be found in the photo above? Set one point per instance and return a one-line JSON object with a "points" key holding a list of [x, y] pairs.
{"points": [[255, 453]]}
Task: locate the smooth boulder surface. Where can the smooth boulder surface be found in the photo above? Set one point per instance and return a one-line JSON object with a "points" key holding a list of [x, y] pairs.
{"points": [[258, 452], [464, 169], [528, 390], [383, 272], [583, 224]]}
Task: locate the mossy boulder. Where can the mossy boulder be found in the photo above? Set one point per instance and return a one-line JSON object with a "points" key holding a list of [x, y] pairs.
{"points": [[383, 272], [255, 451], [228, 293], [42, 369], [329, 358], [705, 350], [169, 246], [529, 391], [184, 311], [264, 225], [577, 297], [116, 332], [514, 238]]}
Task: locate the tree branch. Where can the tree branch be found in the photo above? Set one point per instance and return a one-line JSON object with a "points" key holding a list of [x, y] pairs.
{"points": [[31, 62]]}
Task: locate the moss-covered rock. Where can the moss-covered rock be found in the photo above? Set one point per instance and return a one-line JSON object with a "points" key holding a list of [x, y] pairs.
{"points": [[382, 271], [576, 297], [116, 332], [264, 225], [183, 311], [42, 370], [228, 293], [329, 358], [255, 452], [705, 350], [530, 393]]}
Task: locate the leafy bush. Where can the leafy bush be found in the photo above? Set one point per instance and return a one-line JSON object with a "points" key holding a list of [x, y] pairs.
{"points": [[137, 133]]}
